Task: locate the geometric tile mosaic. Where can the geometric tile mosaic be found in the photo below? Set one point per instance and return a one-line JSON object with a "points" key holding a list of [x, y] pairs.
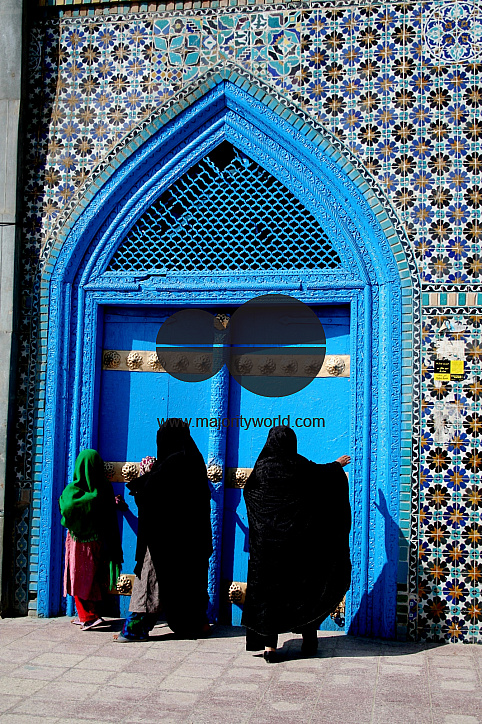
{"points": [[399, 84], [450, 533]]}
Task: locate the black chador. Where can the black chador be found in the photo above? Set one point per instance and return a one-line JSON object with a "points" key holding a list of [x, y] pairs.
{"points": [[299, 522], [175, 525]]}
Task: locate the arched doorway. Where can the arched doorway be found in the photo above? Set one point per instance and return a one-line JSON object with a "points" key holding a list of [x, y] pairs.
{"points": [[370, 282]]}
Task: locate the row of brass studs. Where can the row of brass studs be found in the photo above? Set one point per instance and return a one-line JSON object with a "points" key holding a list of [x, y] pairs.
{"points": [[248, 365], [124, 472]]}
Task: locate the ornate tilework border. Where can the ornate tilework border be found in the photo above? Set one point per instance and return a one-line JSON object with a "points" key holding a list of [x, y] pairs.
{"points": [[450, 530], [450, 298]]}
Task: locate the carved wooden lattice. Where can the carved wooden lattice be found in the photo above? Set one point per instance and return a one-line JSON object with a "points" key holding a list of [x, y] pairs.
{"points": [[226, 213]]}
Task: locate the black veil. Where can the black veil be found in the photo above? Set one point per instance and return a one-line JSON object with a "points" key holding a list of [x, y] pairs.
{"points": [[299, 522], [173, 500]]}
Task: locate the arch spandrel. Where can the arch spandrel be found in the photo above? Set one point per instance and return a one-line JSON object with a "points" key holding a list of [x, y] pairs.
{"points": [[229, 105]]}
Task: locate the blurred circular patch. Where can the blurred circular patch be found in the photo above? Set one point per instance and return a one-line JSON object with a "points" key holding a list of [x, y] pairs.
{"points": [[185, 346], [274, 345], [278, 345]]}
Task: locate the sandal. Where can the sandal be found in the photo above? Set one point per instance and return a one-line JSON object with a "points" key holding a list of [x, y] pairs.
{"points": [[121, 639], [92, 624]]}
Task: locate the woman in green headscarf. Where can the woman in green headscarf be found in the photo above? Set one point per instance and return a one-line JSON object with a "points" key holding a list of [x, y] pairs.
{"points": [[93, 553]]}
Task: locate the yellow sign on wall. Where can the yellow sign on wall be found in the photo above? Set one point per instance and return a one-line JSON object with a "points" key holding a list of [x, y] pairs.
{"points": [[449, 370]]}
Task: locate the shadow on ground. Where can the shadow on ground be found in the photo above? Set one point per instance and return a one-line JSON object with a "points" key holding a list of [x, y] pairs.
{"points": [[329, 644]]}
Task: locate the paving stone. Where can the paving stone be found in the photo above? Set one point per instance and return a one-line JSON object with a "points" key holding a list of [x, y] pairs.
{"points": [[74, 647], [293, 677], [65, 691], [31, 671], [149, 715], [176, 699], [184, 683], [341, 713], [225, 700], [274, 717], [449, 673], [7, 701], [103, 663], [198, 670], [350, 709], [394, 669], [402, 715], [244, 686], [104, 711], [319, 663], [51, 633], [140, 681], [285, 706], [247, 660], [211, 657], [241, 672], [114, 694], [6, 667], [10, 655], [87, 676], [458, 685], [58, 659], [397, 695], [81, 721], [30, 707], [19, 687], [160, 654], [343, 685], [451, 652], [214, 716], [151, 667], [456, 702], [21, 719], [30, 646], [367, 665]]}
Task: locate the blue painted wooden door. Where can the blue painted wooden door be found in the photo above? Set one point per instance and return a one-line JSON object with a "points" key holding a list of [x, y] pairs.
{"points": [[320, 416], [131, 401]]}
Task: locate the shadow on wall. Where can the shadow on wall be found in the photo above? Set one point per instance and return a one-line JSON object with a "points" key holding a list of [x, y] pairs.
{"points": [[377, 599], [372, 600]]}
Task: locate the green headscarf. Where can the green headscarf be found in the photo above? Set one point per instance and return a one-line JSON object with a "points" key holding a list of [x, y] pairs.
{"points": [[88, 509]]}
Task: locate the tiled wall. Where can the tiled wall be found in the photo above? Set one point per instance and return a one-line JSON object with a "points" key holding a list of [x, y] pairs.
{"points": [[399, 83]]}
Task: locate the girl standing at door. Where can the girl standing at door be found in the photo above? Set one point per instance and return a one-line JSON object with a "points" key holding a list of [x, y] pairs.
{"points": [[93, 553], [299, 522]]}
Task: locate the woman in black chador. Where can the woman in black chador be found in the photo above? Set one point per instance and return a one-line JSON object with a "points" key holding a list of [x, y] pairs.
{"points": [[174, 540], [299, 522]]}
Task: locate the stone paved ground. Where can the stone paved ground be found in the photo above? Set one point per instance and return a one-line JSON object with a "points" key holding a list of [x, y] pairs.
{"points": [[50, 671]]}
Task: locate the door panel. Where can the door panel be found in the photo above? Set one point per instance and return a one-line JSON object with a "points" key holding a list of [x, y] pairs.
{"points": [[326, 397], [130, 403]]}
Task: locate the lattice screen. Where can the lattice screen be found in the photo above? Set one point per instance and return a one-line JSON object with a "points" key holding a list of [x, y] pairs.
{"points": [[225, 214]]}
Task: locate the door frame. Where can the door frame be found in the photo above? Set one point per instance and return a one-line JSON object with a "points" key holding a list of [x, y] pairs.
{"points": [[85, 404], [376, 280]]}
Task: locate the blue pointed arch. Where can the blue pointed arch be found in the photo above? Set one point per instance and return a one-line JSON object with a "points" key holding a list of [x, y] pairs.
{"points": [[378, 278]]}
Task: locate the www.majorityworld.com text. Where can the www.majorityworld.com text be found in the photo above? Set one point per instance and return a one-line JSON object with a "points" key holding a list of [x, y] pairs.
{"points": [[247, 422]]}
